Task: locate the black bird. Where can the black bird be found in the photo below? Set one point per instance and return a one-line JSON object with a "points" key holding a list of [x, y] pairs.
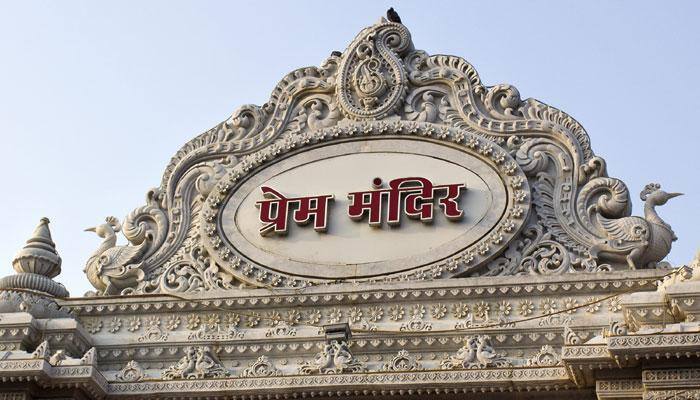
{"points": [[392, 15], [336, 53]]}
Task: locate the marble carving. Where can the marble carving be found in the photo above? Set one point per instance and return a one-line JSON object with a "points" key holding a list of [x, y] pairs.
{"points": [[562, 293]]}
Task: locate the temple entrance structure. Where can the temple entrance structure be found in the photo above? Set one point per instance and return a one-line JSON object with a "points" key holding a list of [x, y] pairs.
{"points": [[384, 225]]}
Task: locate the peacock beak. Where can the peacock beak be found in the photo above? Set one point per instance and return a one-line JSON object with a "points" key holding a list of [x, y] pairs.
{"points": [[672, 195], [90, 229]]}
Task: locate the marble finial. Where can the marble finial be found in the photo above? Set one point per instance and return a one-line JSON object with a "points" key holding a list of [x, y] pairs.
{"points": [[36, 264], [39, 255]]}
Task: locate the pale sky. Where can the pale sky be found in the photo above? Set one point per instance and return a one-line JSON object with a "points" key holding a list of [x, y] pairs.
{"points": [[95, 97]]}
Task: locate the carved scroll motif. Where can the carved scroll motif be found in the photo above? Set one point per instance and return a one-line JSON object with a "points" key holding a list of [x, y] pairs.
{"points": [[582, 217]]}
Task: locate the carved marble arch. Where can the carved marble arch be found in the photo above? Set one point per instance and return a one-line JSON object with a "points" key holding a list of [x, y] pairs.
{"points": [[574, 217]]}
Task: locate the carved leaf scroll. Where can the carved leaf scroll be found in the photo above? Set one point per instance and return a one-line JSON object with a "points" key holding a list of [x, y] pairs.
{"points": [[581, 217]]}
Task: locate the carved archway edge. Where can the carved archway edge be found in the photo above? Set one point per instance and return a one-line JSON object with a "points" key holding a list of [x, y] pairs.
{"points": [[568, 183]]}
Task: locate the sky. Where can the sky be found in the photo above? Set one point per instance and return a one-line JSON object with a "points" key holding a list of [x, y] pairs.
{"points": [[96, 96]]}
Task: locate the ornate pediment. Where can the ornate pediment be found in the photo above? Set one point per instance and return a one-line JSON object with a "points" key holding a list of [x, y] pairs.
{"points": [[471, 180]]}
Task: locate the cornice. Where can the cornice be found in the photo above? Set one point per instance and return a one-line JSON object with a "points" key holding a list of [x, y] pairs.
{"points": [[457, 289]]}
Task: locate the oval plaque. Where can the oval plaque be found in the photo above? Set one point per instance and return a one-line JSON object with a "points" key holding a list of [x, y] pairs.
{"points": [[438, 203], [354, 248]]}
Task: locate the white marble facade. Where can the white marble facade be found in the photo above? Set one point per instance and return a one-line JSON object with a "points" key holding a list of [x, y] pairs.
{"points": [[544, 287]]}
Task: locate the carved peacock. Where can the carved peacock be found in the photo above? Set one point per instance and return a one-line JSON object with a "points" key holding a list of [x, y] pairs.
{"points": [[112, 268], [641, 242]]}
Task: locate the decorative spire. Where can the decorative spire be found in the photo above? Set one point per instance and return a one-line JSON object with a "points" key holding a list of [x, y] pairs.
{"points": [[36, 264], [39, 255]]}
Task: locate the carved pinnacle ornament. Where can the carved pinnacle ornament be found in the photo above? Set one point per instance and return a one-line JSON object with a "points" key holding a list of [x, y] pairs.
{"points": [[36, 264]]}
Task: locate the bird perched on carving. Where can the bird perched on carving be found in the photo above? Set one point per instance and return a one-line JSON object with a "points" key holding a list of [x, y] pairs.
{"points": [[111, 268], [393, 16], [641, 242]]}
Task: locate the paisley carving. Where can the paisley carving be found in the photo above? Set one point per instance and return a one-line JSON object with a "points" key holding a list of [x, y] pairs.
{"points": [[372, 81]]}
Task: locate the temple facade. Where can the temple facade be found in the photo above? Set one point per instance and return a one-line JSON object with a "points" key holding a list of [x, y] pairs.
{"points": [[385, 225]]}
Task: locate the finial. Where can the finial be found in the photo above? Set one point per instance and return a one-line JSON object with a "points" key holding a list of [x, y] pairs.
{"points": [[39, 255], [36, 263]]}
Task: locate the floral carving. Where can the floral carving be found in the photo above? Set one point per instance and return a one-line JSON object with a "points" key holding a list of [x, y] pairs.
{"points": [[460, 310], [293, 317], [615, 304], [172, 322], [354, 314], [438, 311], [193, 321], [281, 329], [313, 317], [232, 319], [593, 305], [546, 357], [114, 325], [152, 321], [548, 306], [570, 305], [334, 315], [133, 324], [93, 326], [153, 333], [132, 372], [396, 312], [417, 311], [403, 361], [525, 307], [273, 318], [211, 330], [375, 314], [416, 324], [504, 308], [252, 320], [481, 310], [260, 368]]}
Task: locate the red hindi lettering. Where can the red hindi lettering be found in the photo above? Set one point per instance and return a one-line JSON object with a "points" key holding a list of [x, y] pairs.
{"points": [[415, 194], [273, 212], [370, 202], [316, 207], [418, 199], [275, 209], [449, 204]]}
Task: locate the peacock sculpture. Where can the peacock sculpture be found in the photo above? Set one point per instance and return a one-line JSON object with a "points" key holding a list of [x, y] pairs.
{"points": [[640, 242], [112, 268]]}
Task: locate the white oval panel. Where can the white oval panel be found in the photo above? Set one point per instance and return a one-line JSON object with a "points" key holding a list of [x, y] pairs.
{"points": [[353, 249]]}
